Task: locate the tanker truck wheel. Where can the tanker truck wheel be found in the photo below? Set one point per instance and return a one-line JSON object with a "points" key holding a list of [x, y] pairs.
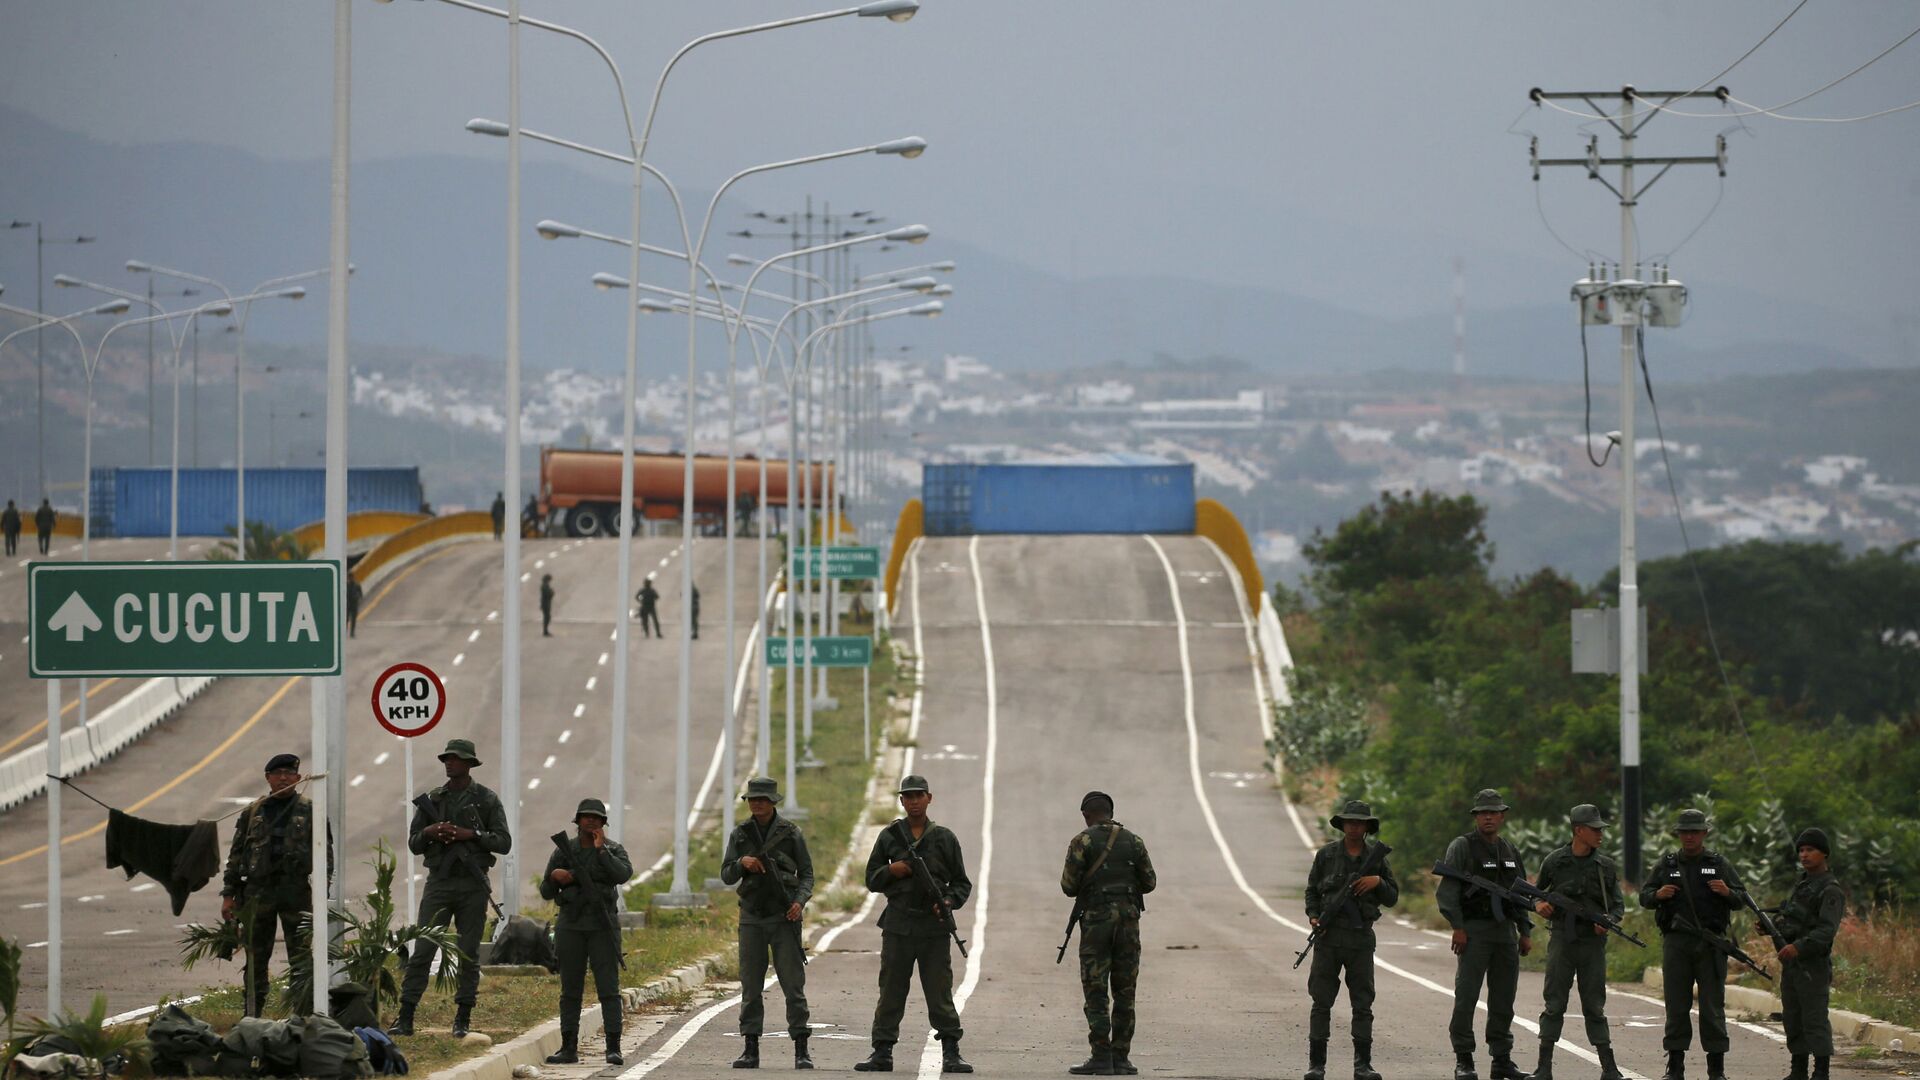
{"points": [[586, 521]]}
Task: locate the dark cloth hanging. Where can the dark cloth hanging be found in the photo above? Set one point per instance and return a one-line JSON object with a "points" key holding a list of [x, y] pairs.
{"points": [[182, 858]]}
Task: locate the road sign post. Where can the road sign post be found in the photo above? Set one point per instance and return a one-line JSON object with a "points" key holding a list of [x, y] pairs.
{"points": [[408, 700], [183, 618], [841, 562]]}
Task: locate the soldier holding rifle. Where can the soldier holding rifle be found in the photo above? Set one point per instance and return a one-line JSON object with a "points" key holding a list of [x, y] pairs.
{"points": [[584, 875], [1349, 883], [1809, 920], [767, 859], [1490, 935], [1579, 876], [1693, 893], [1108, 873]]}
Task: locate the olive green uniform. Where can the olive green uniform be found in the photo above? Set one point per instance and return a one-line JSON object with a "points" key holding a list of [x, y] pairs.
{"points": [[455, 893], [1492, 954], [910, 933], [587, 930], [1575, 952], [764, 927], [1688, 961], [1111, 904], [1809, 919], [1345, 944], [269, 865]]}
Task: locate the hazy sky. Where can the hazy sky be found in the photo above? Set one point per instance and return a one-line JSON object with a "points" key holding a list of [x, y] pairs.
{"points": [[1097, 137]]}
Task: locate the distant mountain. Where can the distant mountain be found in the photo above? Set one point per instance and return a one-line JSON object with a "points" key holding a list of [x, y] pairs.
{"points": [[427, 239]]}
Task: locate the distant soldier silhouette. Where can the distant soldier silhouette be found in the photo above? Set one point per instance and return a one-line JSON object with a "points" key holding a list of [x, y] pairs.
{"points": [[693, 612], [499, 515], [10, 525], [43, 519], [546, 604], [354, 593], [649, 598]]}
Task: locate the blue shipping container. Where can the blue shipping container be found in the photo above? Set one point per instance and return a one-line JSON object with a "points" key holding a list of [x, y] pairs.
{"points": [[134, 502], [963, 500]]}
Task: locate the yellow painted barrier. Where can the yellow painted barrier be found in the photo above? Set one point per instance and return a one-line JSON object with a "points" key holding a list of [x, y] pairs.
{"points": [[1217, 523], [64, 525], [431, 530], [911, 526], [361, 525]]}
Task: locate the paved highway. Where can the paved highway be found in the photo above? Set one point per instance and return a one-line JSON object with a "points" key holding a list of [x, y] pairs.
{"points": [[443, 611], [1053, 666]]}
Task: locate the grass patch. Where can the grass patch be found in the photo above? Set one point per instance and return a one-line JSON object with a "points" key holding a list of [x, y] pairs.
{"points": [[1876, 966]]}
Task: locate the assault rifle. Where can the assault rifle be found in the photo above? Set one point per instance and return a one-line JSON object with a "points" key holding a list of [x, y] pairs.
{"points": [[1575, 910], [1376, 855], [1724, 945], [1493, 889], [1760, 916], [424, 803], [773, 871], [923, 877], [582, 880]]}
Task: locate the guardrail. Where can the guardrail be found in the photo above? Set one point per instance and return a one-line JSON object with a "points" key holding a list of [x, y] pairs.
{"points": [[411, 542], [361, 525], [23, 776], [1217, 523], [1274, 652], [911, 526]]}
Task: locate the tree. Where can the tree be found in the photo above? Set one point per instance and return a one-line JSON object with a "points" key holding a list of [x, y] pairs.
{"points": [[1401, 538]]}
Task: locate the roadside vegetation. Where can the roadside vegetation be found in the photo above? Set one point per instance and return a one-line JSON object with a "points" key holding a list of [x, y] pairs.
{"points": [[1422, 678]]}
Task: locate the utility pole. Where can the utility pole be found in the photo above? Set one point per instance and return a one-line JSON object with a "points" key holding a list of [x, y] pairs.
{"points": [[1459, 318], [1621, 300]]}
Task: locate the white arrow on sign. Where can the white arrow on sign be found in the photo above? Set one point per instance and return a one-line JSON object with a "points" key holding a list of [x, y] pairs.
{"points": [[75, 617]]}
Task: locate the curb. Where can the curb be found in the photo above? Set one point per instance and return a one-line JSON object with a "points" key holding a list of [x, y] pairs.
{"points": [[1852, 1025]]}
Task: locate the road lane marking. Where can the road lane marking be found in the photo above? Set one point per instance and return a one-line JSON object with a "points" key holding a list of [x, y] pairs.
{"points": [[579, 710], [533, 783], [117, 933], [551, 758], [381, 757], [459, 658], [144, 886], [1226, 852], [592, 680], [473, 637], [358, 779], [566, 734], [603, 659]]}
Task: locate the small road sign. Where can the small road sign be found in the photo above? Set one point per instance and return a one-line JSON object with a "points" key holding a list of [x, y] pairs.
{"points": [[845, 563], [854, 651], [183, 618], [409, 699]]}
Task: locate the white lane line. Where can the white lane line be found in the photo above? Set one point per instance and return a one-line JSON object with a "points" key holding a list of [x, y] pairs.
{"points": [[524, 577], [381, 757], [1226, 852], [36, 944], [91, 899], [473, 637], [144, 886], [493, 616], [565, 735], [603, 660], [459, 658], [533, 783], [592, 680], [358, 779], [579, 710], [117, 933], [538, 564], [548, 764]]}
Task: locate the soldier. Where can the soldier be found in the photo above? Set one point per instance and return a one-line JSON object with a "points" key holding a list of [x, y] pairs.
{"points": [[912, 928], [693, 611], [1809, 920], [354, 593], [270, 867], [1489, 936], [649, 598], [43, 519], [467, 831], [1578, 949], [1345, 943], [1693, 893], [10, 525], [767, 859], [499, 512], [585, 880], [546, 605], [1109, 872]]}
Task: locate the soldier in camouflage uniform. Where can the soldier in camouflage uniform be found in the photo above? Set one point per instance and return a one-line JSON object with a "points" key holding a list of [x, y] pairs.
{"points": [[588, 929], [1809, 920], [1578, 948], [1108, 872], [460, 843], [270, 866], [1693, 893], [911, 930], [1346, 942], [767, 859], [1489, 936]]}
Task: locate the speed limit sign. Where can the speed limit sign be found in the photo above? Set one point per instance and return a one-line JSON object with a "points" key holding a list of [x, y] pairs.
{"points": [[409, 699]]}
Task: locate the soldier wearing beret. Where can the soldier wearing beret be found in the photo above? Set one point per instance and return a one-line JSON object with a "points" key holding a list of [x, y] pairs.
{"points": [[1346, 941], [584, 880], [1693, 893], [460, 841], [1809, 920], [270, 866], [1577, 951], [767, 860], [912, 928], [1109, 873], [1489, 936]]}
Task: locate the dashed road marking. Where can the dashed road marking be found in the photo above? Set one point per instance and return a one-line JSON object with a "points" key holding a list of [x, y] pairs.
{"points": [[381, 757], [579, 709], [591, 680], [565, 735], [473, 637], [358, 779], [548, 764], [533, 783], [459, 658]]}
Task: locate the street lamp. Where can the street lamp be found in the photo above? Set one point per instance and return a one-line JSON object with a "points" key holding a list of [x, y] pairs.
{"points": [[40, 243]]}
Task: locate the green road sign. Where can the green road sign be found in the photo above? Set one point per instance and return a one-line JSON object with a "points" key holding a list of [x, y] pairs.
{"points": [[183, 618], [842, 562], [827, 651]]}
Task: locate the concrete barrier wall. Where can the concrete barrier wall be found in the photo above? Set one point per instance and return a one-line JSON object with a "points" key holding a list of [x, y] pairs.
{"points": [[910, 527], [23, 776], [415, 540]]}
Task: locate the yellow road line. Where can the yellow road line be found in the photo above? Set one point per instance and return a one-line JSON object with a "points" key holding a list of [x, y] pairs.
{"points": [[64, 710], [225, 744]]}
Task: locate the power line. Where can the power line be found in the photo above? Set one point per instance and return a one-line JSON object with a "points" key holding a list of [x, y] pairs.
{"points": [[1711, 210], [1756, 110], [1828, 119]]}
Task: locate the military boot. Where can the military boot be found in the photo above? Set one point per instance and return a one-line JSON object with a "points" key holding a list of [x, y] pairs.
{"points": [[1717, 1066], [462, 1020], [1363, 1060], [881, 1060], [1820, 1068], [1610, 1069], [1676, 1066], [1503, 1068], [1098, 1063], [1543, 1068], [1122, 1066], [950, 1059], [403, 1024], [1316, 1060], [1463, 1067], [801, 1059], [1799, 1069], [610, 1019], [749, 1054], [569, 1052]]}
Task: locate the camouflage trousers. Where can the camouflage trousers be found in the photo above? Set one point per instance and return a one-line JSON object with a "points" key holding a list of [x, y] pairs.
{"points": [[1110, 959]]}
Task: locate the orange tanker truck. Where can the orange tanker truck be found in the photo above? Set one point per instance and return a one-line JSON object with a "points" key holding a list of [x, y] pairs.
{"points": [[582, 487]]}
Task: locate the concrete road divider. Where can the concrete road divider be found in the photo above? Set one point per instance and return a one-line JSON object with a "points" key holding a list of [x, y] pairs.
{"points": [[23, 776]]}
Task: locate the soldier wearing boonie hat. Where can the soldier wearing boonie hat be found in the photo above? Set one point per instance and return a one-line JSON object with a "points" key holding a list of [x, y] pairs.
{"points": [[1693, 893], [1577, 951], [767, 860], [1346, 941]]}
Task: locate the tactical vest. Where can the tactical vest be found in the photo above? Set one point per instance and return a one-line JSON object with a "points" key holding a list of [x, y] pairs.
{"points": [[755, 895], [1695, 903], [1117, 877], [1498, 863], [1800, 912]]}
